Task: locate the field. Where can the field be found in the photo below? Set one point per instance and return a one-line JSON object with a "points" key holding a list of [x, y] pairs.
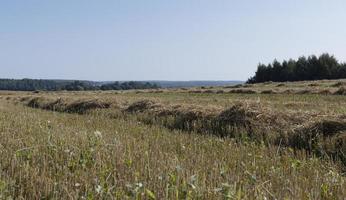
{"points": [[262, 141]]}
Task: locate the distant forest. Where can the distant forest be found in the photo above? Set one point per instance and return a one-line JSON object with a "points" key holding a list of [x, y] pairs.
{"points": [[55, 85], [305, 68]]}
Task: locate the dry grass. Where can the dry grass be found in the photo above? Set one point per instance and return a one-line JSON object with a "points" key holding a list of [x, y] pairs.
{"points": [[62, 156], [301, 87], [240, 121], [175, 144]]}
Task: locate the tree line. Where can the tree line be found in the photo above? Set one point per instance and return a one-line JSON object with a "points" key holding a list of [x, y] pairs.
{"points": [[305, 68], [129, 85], [56, 85]]}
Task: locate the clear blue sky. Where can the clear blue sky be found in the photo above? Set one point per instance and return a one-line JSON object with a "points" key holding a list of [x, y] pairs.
{"points": [[163, 39]]}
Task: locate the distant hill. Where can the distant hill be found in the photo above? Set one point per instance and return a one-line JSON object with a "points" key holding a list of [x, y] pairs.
{"points": [[76, 85], [70, 85], [177, 84]]}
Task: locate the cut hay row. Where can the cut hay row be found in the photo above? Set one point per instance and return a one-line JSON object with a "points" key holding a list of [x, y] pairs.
{"points": [[323, 138], [239, 120], [80, 106], [321, 91], [321, 135]]}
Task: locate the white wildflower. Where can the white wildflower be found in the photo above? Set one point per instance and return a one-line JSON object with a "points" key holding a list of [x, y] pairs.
{"points": [[98, 188], [67, 151], [98, 134]]}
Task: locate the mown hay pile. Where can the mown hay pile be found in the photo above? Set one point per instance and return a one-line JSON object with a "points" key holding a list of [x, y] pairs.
{"points": [[303, 91], [313, 85], [208, 91], [339, 84], [268, 92], [324, 92], [239, 120], [341, 91], [42, 103], [142, 106], [235, 121], [243, 91], [252, 121], [324, 138], [172, 116], [195, 91], [236, 115], [82, 106], [64, 105]]}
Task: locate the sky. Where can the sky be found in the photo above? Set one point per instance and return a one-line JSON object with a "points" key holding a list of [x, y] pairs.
{"points": [[108, 40]]}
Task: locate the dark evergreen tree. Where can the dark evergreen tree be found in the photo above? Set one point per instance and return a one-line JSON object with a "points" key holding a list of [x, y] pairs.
{"points": [[312, 68]]}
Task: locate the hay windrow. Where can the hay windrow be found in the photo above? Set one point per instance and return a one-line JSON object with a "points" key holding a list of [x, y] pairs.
{"points": [[65, 105], [324, 138], [339, 84], [304, 91], [287, 91], [313, 85], [323, 128], [141, 106], [250, 120], [195, 91], [268, 92], [235, 121], [325, 92], [83, 106], [243, 91], [255, 122], [340, 91], [208, 91], [38, 102]]}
